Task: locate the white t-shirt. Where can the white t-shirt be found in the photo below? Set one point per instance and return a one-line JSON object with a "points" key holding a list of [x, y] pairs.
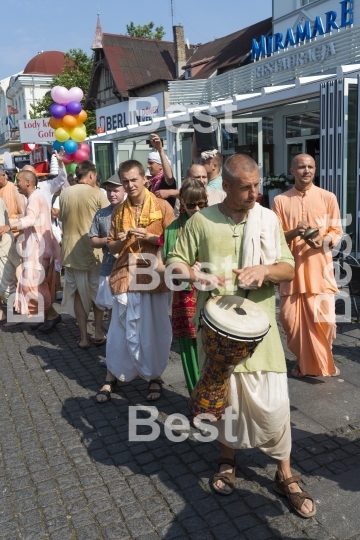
{"points": [[55, 223], [49, 187]]}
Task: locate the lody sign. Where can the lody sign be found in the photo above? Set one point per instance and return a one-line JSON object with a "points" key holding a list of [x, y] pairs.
{"points": [[36, 130], [272, 44]]}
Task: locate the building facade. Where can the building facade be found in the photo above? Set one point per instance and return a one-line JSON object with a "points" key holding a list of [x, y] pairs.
{"points": [[296, 91], [20, 91]]}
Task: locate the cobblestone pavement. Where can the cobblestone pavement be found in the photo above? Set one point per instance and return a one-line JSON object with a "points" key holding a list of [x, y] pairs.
{"points": [[68, 470]]}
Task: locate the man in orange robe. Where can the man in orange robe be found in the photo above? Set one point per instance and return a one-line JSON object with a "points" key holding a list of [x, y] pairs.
{"points": [[15, 203], [307, 304]]}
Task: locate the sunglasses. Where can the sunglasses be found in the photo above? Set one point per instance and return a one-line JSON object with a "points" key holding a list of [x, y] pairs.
{"points": [[192, 206]]}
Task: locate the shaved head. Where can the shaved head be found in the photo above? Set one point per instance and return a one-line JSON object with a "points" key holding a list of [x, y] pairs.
{"points": [[236, 165], [29, 176], [199, 172], [303, 169], [300, 157], [29, 168]]}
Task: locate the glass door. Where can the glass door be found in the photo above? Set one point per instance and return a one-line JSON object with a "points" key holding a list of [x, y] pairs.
{"points": [[304, 145], [183, 158], [104, 159], [243, 135]]}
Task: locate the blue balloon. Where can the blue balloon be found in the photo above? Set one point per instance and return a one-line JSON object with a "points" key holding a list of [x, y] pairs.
{"points": [[57, 146], [70, 146]]}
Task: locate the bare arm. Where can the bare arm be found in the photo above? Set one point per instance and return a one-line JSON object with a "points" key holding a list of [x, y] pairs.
{"points": [[116, 246], [55, 212], [166, 193], [254, 276], [156, 143], [97, 242]]}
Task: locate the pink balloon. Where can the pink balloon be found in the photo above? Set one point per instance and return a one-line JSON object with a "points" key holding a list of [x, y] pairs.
{"points": [[53, 92], [84, 147], [68, 158], [80, 155], [60, 95], [76, 94]]}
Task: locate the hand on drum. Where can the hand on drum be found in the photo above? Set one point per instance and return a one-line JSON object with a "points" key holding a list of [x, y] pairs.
{"points": [[207, 282], [252, 277]]}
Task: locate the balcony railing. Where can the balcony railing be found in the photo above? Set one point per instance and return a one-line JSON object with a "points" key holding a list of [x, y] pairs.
{"points": [[11, 135]]}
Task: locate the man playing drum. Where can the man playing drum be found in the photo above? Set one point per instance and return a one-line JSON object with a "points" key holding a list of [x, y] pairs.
{"points": [[243, 244]]}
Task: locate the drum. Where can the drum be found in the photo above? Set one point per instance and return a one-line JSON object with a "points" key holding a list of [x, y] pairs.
{"points": [[231, 329]]}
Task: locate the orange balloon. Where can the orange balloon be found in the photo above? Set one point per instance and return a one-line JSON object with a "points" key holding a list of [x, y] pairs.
{"points": [[55, 123], [81, 117], [69, 121]]}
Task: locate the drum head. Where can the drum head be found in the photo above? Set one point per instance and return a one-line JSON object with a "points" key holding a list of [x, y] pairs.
{"points": [[236, 316]]}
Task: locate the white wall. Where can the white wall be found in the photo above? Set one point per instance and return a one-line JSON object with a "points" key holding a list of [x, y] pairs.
{"points": [[286, 13]]}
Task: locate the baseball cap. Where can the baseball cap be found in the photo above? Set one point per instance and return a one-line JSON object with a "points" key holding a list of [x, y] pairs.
{"points": [[114, 179]]}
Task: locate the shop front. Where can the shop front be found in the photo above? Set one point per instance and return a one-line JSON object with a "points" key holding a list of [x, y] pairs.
{"points": [[123, 130], [299, 97]]}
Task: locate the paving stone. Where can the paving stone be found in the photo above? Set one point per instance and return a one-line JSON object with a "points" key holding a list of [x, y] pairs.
{"points": [[35, 532], [225, 531], [139, 527], [90, 532], [116, 532], [63, 534], [246, 522]]}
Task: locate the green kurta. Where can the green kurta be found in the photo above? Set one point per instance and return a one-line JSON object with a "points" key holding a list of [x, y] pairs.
{"points": [[208, 237]]}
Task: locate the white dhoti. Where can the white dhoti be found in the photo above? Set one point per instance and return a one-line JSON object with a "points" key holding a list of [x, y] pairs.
{"points": [[86, 282], [260, 401], [139, 345], [104, 297]]}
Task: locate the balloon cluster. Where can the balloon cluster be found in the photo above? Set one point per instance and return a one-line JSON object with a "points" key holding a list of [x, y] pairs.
{"points": [[67, 119]]}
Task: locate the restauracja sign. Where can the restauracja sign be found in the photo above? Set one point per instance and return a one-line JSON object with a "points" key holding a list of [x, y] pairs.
{"points": [[272, 44]]}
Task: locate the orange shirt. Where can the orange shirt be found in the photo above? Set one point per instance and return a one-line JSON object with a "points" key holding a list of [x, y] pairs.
{"points": [[313, 267], [15, 203]]}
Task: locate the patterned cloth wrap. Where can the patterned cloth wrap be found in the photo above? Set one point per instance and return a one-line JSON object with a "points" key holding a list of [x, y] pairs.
{"points": [[210, 393]]}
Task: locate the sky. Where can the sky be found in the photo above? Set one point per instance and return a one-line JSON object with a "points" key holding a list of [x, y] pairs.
{"points": [[30, 26]]}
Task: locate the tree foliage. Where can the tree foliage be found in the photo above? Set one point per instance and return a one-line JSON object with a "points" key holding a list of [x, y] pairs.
{"points": [[145, 31], [76, 72]]}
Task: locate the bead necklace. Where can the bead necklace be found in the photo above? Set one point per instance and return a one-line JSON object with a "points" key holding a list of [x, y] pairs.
{"points": [[233, 229], [137, 209]]}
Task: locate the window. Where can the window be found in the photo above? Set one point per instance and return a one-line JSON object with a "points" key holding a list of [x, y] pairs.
{"points": [[306, 2], [108, 78], [303, 125], [188, 73]]}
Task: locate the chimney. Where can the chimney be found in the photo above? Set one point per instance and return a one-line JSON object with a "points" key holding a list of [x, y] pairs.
{"points": [[180, 51]]}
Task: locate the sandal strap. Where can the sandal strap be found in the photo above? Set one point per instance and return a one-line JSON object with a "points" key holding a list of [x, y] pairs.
{"points": [[224, 477], [112, 384], [225, 461], [156, 381], [297, 499], [291, 480], [104, 393]]}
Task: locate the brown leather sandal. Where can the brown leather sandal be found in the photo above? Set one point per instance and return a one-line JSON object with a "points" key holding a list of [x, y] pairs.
{"points": [[225, 477], [296, 499]]}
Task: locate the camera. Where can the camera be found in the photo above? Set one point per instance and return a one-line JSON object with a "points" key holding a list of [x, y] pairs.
{"points": [[148, 142]]}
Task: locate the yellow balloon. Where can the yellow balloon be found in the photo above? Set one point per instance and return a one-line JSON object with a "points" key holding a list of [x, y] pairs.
{"points": [[62, 134], [78, 134]]}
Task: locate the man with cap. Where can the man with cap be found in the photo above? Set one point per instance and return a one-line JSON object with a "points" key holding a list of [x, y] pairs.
{"points": [[99, 232], [162, 181]]}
